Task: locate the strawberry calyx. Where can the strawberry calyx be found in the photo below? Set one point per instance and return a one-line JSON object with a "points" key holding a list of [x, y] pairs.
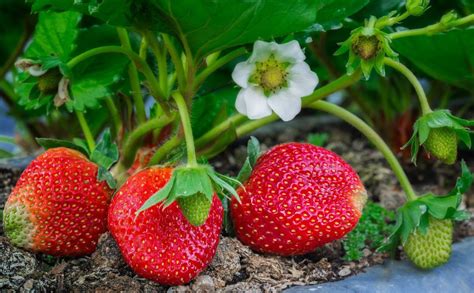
{"points": [[438, 132], [415, 215], [193, 188], [105, 154], [367, 47]]}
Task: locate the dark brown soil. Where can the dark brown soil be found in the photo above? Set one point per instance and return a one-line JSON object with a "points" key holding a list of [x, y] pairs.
{"points": [[235, 267]]}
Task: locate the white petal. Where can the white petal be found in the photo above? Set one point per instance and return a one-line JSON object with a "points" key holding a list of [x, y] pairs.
{"points": [[242, 72], [253, 103], [262, 50], [240, 103], [35, 70], [285, 105], [290, 52], [301, 80]]}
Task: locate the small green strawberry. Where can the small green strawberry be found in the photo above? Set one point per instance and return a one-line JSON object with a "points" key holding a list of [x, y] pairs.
{"points": [[442, 143], [424, 224], [195, 208], [439, 132], [48, 82], [432, 249]]}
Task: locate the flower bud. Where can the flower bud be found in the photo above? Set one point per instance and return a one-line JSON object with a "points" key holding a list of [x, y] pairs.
{"points": [[448, 18], [417, 7]]}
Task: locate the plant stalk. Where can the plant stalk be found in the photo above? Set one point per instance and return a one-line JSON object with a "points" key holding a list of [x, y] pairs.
{"points": [[432, 29], [134, 79], [86, 130], [188, 132], [373, 137], [425, 106]]}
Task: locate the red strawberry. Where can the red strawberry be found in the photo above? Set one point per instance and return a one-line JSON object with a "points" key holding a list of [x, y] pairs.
{"points": [[58, 207], [160, 244], [298, 197]]}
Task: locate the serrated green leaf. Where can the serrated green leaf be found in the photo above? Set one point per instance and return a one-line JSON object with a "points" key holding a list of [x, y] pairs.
{"points": [[55, 35], [106, 152], [214, 25], [49, 143]]}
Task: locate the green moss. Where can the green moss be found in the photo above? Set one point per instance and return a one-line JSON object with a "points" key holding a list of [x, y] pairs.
{"points": [[373, 227]]}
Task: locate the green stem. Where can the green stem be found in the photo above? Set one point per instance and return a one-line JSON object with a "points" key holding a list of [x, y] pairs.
{"points": [[374, 138], [201, 77], [160, 56], [432, 29], [86, 130], [219, 129], [133, 140], [114, 114], [178, 65], [186, 124], [165, 149], [425, 106], [139, 62], [134, 79]]}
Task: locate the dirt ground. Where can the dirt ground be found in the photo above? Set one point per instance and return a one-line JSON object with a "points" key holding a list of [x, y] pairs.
{"points": [[235, 267]]}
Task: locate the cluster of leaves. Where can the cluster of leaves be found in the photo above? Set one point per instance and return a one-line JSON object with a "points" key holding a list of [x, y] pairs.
{"points": [[375, 225]]}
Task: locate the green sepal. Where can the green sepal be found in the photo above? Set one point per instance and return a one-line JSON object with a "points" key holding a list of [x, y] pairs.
{"points": [[438, 119], [191, 181], [253, 153], [414, 214], [377, 61], [105, 154]]}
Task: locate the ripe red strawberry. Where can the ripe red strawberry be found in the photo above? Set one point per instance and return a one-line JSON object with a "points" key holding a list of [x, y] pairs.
{"points": [[160, 244], [58, 207], [298, 197]]}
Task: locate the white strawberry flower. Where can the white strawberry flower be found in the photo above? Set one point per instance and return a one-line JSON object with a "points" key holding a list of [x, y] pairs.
{"points": [[273, 79]]}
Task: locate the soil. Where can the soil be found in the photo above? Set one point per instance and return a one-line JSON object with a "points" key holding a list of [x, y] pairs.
{"points": [[235, 267]]}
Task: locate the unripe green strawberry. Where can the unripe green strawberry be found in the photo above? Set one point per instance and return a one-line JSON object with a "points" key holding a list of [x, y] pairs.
{"points": [[432, 249], [195, 208], [48, 82], [442, 144]]}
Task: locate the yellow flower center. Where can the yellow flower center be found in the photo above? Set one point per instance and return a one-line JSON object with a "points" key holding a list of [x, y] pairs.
{"points": [[270, 75], [272, 78]]}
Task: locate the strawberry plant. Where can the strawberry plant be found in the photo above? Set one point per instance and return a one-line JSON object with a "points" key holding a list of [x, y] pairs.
{"points": [[133, 99]]}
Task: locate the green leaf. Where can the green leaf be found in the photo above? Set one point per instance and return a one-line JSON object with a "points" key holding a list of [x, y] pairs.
{"points": [[213, 25], [207, 109], [106, 152], [49, 143], [332, 12], [93, 79], [55, 35], [448, 56], [116, 12]]}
